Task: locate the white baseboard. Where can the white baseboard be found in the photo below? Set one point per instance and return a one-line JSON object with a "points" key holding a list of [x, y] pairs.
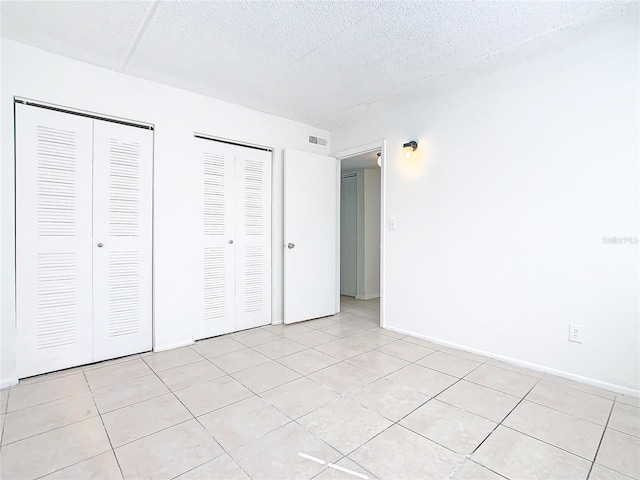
{"points": [[171, 346], [521, 363], [370, 296], [8, 382]]}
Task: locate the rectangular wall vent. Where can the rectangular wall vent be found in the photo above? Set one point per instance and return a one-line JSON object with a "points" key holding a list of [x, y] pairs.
{"points": [[318, 141]]}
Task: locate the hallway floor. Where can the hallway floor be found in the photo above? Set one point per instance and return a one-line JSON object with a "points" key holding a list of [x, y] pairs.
{"points": [[333, 398]]}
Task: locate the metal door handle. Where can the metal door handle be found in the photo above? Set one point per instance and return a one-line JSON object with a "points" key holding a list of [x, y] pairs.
{"points": [[230, 242], [291, 245], [100, 245]]}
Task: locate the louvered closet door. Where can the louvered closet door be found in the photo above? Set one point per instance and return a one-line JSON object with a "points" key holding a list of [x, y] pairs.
{"points": [[53, 240], [217, 276], [122, 248], [253, 237]]}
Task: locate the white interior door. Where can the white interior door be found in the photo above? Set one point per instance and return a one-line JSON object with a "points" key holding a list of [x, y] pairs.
{"points": [[217, 311], [122, 239], [253, 237], [348, 235], [53, 240], [310, 236]]}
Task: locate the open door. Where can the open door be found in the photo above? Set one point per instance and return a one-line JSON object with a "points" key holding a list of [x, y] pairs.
{"points": [[310, 236]]}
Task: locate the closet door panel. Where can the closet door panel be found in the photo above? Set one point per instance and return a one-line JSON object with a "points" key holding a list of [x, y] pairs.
{"points": [[122, 239], [253, 233], [217, 276], [53, 240]]}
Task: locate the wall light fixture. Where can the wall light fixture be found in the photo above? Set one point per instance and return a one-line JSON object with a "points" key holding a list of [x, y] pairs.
{"points": [[409, 148]]}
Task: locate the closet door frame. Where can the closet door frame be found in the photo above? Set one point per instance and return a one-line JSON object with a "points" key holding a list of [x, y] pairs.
{"points": [[270, 234], [18, 103]]}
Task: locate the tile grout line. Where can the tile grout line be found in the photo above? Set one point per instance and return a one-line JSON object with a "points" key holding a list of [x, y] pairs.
{"points": [[604, 431]]}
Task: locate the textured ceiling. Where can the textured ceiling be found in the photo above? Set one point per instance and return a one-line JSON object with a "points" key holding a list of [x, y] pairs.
{"points": [[320, 62]]}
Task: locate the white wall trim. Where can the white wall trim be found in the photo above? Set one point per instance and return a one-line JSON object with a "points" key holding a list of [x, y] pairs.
{"points": [[521, 363], [8, 382], [171, 346], [368, 297]]}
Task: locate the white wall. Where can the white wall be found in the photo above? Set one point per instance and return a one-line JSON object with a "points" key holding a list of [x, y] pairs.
{"points": [[501, 213], [177, 114]]}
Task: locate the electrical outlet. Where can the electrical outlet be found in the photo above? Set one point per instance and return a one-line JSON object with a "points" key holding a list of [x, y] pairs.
{"points": [[575, 332]]}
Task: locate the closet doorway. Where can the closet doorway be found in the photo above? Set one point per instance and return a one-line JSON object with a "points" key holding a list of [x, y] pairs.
{"points": [[83, 238]]}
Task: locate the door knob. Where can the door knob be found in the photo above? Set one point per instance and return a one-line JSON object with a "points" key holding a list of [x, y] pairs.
{"points": [[100, 245], [230, 242], [291, 245]]}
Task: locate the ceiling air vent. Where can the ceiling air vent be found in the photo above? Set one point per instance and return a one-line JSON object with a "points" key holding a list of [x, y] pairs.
{"points": [[317, 140]]}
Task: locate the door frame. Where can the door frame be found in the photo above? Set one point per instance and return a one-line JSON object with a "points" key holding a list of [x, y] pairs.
{"points": [[380, 145]]}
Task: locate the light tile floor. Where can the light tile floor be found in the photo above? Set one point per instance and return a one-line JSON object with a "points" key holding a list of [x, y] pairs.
{"points": [[338, 389]]}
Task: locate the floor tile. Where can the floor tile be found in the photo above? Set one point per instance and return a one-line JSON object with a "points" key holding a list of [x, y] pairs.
{"points": [[280, 348], [136, 421], [515, 455], [256, 336], [390, 333], [419, 457], [598, 472], [45, 453], [628, 400], [422, 379], [619, 451], [313, 338], [344, 424], [449, 426], [343, 378], [464, 354], [625, 418], [378, 363], [321, 322], [574, 402], [52, 375], [288, 330], [406, 350], [172, 358], [209, 396], [127, 393], [506, 381], [486, 402], [265, 377], [114, 361], [422, 342], [299, 397], [191, 374], [100, 467], [240, 360], [372, 339], [101, 377], [335, 471], [308, 361], [215, 347], [515, 368], [449, 364], [389, 399], [470, 470], [260, 460], [345, 329], [168, 453], [583, 387], [4, 399], [238, 424], [222, 467], [42, 392], [47, 416], [565, 431], [343, 349]]}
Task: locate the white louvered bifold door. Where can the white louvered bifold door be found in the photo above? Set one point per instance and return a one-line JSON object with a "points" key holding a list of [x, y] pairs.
{"points": [[122, 242], [253, 237], [217, 276], [53, 240]]}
